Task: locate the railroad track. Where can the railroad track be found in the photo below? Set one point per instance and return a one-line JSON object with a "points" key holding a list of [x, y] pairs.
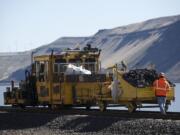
{"points": [[94, 113]]}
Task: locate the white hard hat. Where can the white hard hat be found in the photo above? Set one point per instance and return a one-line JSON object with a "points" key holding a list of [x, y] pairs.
{"points": [[162, 74]]}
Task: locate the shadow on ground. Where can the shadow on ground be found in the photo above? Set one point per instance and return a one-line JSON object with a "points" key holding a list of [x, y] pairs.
{"points": [[78, 123], [23, 120]]}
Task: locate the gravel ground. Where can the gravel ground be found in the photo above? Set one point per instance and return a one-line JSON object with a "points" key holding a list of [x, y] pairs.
{"points": [[54, 124]]}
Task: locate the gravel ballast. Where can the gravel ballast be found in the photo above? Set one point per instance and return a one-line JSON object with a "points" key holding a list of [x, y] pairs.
{"points": [[45, 124]]}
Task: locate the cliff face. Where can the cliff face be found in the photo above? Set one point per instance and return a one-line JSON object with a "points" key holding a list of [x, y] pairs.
{"points": [[159, 46], [155, 41]]}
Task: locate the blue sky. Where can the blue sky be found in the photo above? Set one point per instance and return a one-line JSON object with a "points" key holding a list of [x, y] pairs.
{"points": [[27, 24]]}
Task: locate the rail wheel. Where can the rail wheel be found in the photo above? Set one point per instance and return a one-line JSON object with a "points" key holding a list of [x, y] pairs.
{"points": [[22, 106], [88, 105], [49, 106], [14, 105], [131, 107], [102, 106]]}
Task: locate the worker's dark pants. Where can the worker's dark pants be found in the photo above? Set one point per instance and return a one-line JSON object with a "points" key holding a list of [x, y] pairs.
{"points": [[162, 103]]}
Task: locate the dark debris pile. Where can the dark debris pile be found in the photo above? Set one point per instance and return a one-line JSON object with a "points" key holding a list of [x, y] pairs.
{"points": [[141, 77]]}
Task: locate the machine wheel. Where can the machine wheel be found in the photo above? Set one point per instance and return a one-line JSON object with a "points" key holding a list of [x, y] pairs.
{"points": [[49, 106], [56, 107], [88, 106], [102, 106], [22, 106], [131, 107], [14, 105]]}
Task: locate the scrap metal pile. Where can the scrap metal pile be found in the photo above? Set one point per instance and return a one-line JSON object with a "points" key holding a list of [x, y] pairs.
{"points": [[141, 77]]}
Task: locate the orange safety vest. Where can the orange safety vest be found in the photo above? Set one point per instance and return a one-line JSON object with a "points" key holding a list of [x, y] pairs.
{"points": [[161, 87]]}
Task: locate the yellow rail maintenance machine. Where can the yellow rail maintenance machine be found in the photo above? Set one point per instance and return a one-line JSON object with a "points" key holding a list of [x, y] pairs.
{"points": [[75, 78]]}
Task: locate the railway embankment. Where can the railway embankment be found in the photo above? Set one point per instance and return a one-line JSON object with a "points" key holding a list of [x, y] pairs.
{"points": [[87, 123]]}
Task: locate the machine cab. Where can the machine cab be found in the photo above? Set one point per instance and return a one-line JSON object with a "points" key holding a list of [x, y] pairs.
{"points": [[51, 69]]}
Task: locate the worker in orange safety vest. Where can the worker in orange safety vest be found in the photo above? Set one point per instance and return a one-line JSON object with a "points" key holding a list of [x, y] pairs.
{"points": [[161, 87]]}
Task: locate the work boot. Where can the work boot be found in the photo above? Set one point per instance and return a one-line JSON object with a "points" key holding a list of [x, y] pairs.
{"points": [[163, 113]]}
